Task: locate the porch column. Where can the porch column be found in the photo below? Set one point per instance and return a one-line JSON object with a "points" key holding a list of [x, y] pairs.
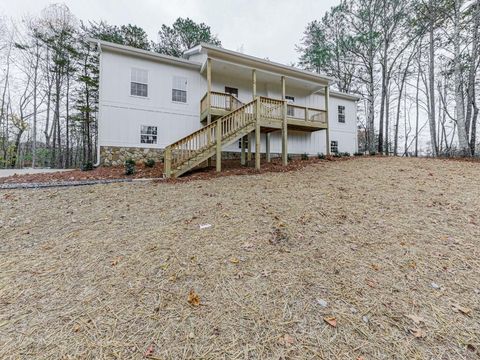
{"points": [[267, 145], [258, 142], [209, 89], [254, 84], [284, 126], [209, 114], [254, 95], [327, 133], [242, 154]]}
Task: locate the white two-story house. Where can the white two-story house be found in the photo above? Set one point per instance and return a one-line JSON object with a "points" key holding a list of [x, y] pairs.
{"points": [[215, 103]]}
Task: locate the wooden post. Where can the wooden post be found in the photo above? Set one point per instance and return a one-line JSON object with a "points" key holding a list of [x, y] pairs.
{"points": [[242, 154], [284, 126], [267, 145], [249, 147], [327, 134], [209, 102], [306, 114], [254, 84], [257, 135], [218, 155], [168, 162]]}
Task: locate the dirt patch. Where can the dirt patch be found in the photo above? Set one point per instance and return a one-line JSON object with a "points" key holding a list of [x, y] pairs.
{"points": [[376, 258]]}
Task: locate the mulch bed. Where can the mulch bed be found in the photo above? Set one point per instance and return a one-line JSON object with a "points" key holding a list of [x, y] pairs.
{"points": [[229, 167], [100, 173]]}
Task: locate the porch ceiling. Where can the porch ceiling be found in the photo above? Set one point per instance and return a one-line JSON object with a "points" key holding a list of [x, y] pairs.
{"points": [[226, 69]]}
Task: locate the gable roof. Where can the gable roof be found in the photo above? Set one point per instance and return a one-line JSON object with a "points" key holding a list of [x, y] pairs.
{"points": [[257, 63]]}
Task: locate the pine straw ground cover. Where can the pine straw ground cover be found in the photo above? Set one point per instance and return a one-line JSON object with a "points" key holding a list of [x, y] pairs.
{"points": [[372, 258]]}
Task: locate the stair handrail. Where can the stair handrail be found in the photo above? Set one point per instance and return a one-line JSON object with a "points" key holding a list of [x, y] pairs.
{"points": [[179, 152]]}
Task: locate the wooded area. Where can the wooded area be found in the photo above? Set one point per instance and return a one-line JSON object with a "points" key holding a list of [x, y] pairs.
{"points": [[415, 63], [49, 83]]}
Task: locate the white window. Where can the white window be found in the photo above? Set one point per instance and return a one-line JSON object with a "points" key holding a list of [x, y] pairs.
{"points": [[334, 147], [240, 142], [290, 109], [341, 114], [148, 134], [179, 89], [139, 83]]}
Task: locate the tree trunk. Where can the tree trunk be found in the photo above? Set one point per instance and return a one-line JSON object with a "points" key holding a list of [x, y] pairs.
{"points": [[431, 75], [459, 99]]}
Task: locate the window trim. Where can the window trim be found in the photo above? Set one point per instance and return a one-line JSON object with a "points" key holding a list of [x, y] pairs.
{"points": [[174, 88], [333, 143], [138, 82], [341, 114], [146, 134]]}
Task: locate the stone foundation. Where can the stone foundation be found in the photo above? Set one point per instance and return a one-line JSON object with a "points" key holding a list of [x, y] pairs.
{"points": [[116, 156]]}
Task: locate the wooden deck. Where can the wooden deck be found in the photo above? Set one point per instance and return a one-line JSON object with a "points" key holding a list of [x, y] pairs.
{"points": [[260, 115], [299, 118]]}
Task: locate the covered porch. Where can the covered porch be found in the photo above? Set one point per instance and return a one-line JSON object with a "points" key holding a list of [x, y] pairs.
{"points": [[295, 102]]}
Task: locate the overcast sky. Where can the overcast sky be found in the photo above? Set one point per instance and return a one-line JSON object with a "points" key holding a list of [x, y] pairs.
{"points": [[263, 28]]}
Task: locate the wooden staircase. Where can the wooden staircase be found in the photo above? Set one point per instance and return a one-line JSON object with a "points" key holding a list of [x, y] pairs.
{"points": [[190, 151]]}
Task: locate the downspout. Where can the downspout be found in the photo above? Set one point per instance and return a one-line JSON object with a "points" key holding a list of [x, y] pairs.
{"points": [[99, 48]]}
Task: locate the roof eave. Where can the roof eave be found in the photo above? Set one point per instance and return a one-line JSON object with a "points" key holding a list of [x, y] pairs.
{"points": [[145, 54]]}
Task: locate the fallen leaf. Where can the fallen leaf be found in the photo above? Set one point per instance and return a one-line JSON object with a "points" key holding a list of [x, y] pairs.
{"points": [[193, 298], [418, 333], [416, 319], [116, 260], [286, 340], [150, 350], [463, 310], [234, 260], [375, 267], [76, 328], [331, 320]]}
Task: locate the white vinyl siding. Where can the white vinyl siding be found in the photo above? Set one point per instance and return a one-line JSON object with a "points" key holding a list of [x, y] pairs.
{"points": [[179, 89], [148, 134], [139, 83]]}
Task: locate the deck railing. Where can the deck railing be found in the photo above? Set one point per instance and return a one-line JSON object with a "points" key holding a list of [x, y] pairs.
{"points": [[219, 100], [305, 113], [271, 108]]}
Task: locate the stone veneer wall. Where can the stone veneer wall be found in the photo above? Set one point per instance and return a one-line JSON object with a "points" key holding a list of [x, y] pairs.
{"points": [[116, 156]]}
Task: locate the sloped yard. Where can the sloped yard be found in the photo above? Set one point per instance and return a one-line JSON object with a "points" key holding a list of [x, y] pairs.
{"points": [[374, 258]]}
